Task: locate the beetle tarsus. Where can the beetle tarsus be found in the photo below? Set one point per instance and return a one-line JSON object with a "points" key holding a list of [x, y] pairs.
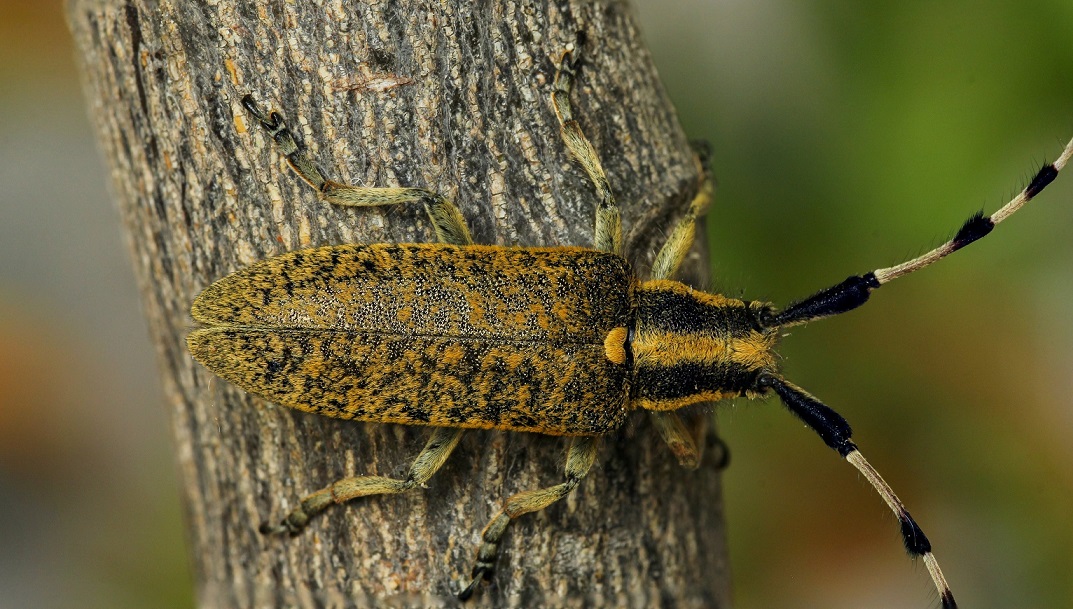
{"points": [[271, 529], [292, 525], [480, 572]]}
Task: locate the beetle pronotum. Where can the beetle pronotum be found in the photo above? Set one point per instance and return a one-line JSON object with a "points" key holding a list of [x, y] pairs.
{"points": [[560, 340]]}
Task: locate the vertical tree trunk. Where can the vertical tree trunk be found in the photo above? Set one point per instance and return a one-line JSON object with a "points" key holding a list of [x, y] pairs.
{"points": [[448, 95]]}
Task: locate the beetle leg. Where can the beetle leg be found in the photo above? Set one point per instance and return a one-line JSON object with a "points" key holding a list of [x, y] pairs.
{"points": [[683, 442], [579, 460], [432, 457], [608, 231], [680, 241], [446, 219], [689, 441]]}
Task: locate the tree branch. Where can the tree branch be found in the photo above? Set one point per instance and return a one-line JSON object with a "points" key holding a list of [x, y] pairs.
{"points": [[451, 96]]}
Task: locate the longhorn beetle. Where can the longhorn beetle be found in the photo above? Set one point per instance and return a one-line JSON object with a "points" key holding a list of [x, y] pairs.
{"points": [[552, 340]]}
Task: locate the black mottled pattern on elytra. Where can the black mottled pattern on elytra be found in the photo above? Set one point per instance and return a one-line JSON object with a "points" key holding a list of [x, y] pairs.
{"points": [[427, 334], [555, 295], [559, 389]]}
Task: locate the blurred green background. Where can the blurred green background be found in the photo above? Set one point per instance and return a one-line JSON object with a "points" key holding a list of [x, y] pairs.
{"points": [[847, 135]]}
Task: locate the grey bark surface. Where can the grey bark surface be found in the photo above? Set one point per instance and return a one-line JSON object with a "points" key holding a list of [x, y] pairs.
{"points": [[452, 96]]}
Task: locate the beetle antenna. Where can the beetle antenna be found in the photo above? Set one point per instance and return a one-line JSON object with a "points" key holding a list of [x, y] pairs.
{"points": [[854, 291], [836, 432]]}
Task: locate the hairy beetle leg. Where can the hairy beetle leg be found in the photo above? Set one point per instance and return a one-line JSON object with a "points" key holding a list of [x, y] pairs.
{"points": [[683, 441], [447, 220], [680, 241], [432, 457], [579, 460], [608, 231]]}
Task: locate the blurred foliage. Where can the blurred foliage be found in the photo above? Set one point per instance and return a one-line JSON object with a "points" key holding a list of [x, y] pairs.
{"points": [[850, 136]]}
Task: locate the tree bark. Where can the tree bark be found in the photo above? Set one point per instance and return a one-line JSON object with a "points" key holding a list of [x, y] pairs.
{"points": [[452, 96]]}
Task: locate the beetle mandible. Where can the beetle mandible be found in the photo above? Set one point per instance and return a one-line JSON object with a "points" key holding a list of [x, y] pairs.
{"points": [[554, 340]]}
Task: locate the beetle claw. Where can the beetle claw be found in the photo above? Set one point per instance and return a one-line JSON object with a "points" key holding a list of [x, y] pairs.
{"points": [[479, 573]]}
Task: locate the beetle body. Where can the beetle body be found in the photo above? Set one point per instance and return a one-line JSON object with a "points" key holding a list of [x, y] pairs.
{"points": [[561, 341]]}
